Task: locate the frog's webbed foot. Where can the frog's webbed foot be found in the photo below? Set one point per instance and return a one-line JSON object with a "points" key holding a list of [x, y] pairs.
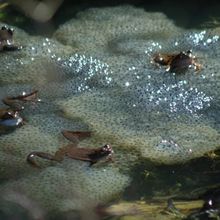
{"points": [[31, 157], [76, 136], [17, 102]]}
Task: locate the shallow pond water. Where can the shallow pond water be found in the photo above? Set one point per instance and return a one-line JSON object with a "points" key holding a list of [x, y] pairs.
{"points": [[95, 71]]}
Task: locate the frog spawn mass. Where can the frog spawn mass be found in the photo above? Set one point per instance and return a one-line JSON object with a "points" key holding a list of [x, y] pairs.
{"points": [[111, 87], [145, 105]]}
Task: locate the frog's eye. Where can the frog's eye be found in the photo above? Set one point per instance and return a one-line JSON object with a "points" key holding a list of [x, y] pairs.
{"points": [[10, 31], [107, 148], [189, 53]]}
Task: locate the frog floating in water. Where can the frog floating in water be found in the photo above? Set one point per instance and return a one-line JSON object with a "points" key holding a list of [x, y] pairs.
{"points": [[177, 63], [6, 40], [10, 117], [91, 155], [9, 120]]}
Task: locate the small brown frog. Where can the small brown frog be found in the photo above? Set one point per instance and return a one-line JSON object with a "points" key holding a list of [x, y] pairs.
{"points": [[91, 155], [6, 40], [177, 63], [18, 101]]}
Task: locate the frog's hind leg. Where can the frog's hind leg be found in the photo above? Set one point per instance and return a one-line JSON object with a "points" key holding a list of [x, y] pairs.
{"points": [[76, 136], [31, 157]]}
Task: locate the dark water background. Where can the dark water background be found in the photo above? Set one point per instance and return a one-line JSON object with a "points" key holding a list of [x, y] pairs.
{"points": [[186, 14]]}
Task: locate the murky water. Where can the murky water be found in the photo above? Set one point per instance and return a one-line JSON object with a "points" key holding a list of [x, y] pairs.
{"points": [[94, 72]]}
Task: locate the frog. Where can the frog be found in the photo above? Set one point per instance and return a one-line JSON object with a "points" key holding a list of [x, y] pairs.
{"points": [[91, 155], [177, 63], [9, 120], [6, 40]]}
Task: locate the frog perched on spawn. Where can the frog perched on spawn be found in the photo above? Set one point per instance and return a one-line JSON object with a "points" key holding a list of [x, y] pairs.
{"points": [[6, 40], [9, 119], [91, 155], [177, 63]]}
